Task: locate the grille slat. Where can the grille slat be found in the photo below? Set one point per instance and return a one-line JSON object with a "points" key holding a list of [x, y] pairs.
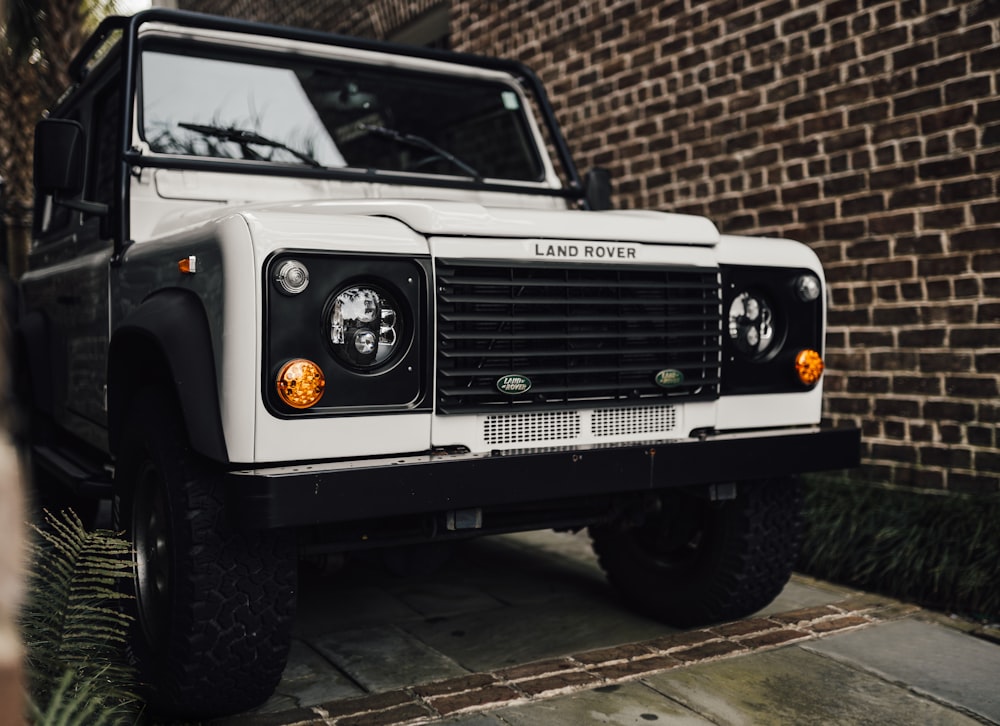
{"points": [[523, 300], [580, 333], [451, 278], [540, 353], [515, 317], [535, 335]]}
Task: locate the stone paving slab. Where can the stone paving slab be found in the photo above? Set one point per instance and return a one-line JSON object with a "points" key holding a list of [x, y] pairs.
{"points": [[488, 641], [793, 686], [625, 704], [945, 664], [384, 657]]}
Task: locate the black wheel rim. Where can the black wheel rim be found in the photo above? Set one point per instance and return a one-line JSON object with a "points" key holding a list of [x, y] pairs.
{"points": [[150, 527]]}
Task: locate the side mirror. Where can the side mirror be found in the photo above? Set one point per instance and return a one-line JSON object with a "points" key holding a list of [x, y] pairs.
{"points": [[59, 147], [59, 169], [597, 189]]}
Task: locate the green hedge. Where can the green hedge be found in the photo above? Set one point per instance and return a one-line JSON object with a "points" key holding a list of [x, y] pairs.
{"points": [[938, 550]]}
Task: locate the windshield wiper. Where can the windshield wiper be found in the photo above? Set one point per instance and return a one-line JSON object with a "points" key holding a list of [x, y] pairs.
{"points": [[244, 138], [421, 143]]}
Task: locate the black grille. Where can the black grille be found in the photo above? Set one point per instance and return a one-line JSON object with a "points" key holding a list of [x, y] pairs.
{"points": [[582, 335]]}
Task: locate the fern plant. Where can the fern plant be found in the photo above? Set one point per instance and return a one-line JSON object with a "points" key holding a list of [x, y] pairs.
{"points": [[74, 629]]}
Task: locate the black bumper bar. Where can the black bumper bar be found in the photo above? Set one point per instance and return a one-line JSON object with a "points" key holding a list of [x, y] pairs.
{"points": [[372, 489]]}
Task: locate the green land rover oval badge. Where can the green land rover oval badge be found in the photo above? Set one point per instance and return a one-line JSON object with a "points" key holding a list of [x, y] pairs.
{"points": [[513, 384], [669, 377]]}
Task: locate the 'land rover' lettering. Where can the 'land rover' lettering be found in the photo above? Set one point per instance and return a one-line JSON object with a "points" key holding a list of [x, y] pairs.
{"points": [[594, 252]]}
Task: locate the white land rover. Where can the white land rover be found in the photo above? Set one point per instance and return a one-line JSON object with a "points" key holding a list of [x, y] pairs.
{"points": [[298, 293]]}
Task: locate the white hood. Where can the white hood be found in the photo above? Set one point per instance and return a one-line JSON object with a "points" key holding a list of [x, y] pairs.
{"points": [[461, 219]]}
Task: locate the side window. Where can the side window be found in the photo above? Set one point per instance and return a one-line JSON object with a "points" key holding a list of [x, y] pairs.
{"points": [[105, 145]]}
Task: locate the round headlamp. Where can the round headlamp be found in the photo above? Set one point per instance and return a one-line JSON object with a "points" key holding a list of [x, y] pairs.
{"points": [[364, 326], [751, 324]]}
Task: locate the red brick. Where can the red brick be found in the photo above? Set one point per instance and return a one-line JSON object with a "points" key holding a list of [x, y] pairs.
{"points": [[635, 667], [708, 650], [470, 699], [399, 714], [538, 668], [376, 702], [536, 686], [454, 685], [679, 640], [619, 652], [744, 627], [805, 614], [776, 637]]}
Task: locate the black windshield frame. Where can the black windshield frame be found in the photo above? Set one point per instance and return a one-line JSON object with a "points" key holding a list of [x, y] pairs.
{"points": [[456, 114]]}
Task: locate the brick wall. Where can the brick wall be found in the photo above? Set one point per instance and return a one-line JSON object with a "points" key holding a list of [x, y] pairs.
{"points": [[869, 130]]}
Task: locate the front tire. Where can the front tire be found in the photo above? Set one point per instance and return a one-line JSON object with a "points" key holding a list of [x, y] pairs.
{"points": [[697, 561], [214, 605]]}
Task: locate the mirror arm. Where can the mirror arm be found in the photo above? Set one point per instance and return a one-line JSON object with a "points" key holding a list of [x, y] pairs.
{"points": [[96, 209]]}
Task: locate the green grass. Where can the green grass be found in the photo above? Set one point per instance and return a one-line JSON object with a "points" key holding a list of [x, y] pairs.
{"points": [[938, 550]]}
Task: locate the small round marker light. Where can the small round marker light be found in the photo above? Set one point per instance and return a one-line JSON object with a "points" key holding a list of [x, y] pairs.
{"points": [[300, 383], [807, 287], [809, 366], [291, 277]]}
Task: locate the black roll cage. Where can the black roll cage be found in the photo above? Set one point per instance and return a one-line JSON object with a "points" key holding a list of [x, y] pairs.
{"points": [[129, 28]]}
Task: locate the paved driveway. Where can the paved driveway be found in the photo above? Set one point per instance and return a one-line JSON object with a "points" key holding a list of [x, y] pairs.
{"points": [[497, 605]]}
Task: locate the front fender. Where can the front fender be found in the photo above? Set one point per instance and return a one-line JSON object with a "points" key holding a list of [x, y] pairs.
{"points": [[167, 340]]}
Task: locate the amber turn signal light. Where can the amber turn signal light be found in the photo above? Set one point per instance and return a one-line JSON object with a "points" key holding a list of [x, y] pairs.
{"points": [[809, 366], [300, 383]]}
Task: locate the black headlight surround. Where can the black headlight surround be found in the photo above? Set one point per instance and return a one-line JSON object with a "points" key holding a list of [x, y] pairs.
{"points": [[298, 326], [798, 325]]}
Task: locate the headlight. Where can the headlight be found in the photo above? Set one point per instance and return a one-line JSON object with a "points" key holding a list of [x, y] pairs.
{"points": [[751, 324], [364, 326]]}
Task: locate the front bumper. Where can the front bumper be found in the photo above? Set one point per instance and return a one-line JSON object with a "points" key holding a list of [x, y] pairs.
{"points": [[346, 491]]}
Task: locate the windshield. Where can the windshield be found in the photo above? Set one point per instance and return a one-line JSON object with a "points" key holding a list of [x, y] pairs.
{"points": [[311, 112]]}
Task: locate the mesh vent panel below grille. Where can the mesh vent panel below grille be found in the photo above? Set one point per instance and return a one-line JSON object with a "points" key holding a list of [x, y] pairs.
{"points": [[522, 428], [632, 421]]}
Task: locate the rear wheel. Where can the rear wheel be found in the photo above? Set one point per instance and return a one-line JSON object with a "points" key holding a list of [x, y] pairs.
{"points": [[214, 604], [697, 561]]}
